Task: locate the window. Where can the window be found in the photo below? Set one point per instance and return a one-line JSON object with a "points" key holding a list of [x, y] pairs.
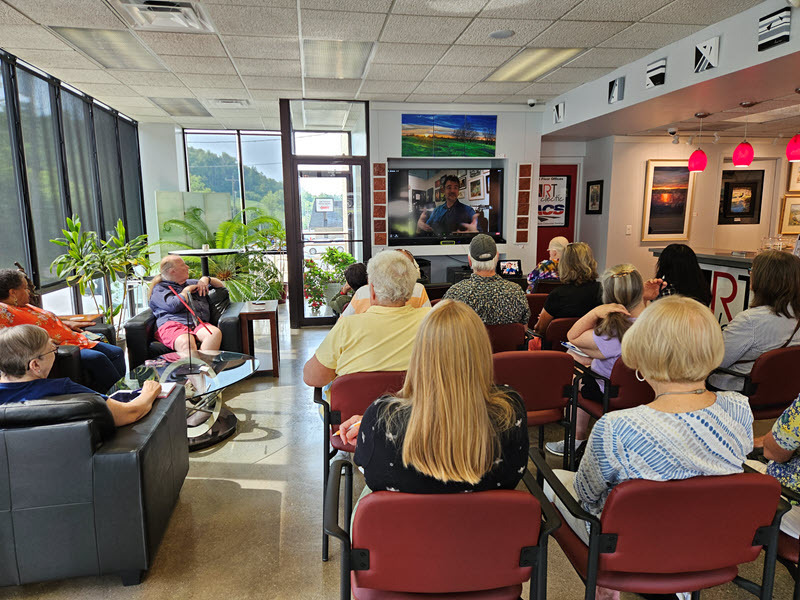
{"points": [[78, 150], [263, 174], [110, 176], [213, 166], [129, 150], [11, 225]]}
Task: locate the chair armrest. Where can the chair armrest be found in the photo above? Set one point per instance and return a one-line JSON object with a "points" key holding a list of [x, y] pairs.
{"points": [[331, 518], [228, 324], [139, 331], [563, 494], [551, 519], [106, 331], [583, 370], [67, 363]]}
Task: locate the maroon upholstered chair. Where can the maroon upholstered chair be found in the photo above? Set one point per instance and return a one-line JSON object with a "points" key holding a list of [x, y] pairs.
{"points": [[556, 333], [478, 546], [350, 395], [545, 286], [544, 380], [435, 301], [536, 304], [674, 536], [506, 337], [772, 384]]}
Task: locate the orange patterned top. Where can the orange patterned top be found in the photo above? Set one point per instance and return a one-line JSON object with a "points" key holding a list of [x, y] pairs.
{"points": [[11, 315]]}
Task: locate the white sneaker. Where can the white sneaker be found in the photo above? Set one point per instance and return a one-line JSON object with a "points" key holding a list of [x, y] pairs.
{"points": [[557, 448]]}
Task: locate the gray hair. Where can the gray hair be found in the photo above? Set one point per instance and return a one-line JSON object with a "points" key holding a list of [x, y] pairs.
{"points": [[485, 265], [392, 276], [167, 264], [19, 345]]}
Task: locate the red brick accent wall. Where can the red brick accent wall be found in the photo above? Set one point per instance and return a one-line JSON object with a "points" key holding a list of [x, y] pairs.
{"points": [[524, 178]]}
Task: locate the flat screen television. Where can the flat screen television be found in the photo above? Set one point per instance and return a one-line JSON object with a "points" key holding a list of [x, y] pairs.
{"points": [[444, 206]]}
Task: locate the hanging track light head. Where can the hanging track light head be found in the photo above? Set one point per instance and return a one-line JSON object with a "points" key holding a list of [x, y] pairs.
{"points": [[702, 115], [748, 104]]}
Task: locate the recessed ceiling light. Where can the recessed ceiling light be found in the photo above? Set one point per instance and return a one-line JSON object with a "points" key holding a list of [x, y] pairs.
{"points": [[532, 63], [181, 107], [335, 59], [112, 48], [502, 34]]}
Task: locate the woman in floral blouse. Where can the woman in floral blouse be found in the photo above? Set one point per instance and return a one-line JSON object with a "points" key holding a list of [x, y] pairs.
{"points": [[548, 268]]}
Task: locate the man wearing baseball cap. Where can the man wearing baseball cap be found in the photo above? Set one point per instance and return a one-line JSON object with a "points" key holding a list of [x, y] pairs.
{"points": [[496, 300]]}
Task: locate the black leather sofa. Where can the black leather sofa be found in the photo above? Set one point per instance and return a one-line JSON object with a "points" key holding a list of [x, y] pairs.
{"points": [[68, 360], [140, 331], [79, 497]]}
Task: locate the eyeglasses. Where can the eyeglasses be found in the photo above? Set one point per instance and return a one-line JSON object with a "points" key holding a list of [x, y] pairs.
{"points": [[55, 349]]}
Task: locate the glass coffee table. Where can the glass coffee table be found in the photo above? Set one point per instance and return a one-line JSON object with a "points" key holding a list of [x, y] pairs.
{"points": [[203, 374]]}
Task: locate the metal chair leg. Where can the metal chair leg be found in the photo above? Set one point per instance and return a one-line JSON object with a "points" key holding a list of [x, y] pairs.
{"points": [[325, 466]]}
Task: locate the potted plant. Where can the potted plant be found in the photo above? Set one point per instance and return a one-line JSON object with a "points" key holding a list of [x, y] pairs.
{"points": [[322, 281]]}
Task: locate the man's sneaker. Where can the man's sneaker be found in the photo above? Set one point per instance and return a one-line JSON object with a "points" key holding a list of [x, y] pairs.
{"points": [[557, 448]]}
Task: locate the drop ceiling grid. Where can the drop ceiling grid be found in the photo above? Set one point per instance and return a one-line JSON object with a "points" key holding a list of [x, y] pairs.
{"points": [[425, 51]]}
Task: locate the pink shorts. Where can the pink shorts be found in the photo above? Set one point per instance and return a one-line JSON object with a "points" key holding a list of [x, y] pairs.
{"points": [[172, 330]]}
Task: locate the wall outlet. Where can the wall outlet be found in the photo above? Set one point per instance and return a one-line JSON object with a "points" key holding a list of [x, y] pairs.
{"points": [[628, 229]]}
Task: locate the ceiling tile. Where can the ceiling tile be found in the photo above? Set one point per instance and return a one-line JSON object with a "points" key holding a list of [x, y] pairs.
{"points": [[528, 9], [383, 97], [437, 87], [147, 112], [254, 20], [145, 78], [271, 124], [52, 59], [481, 98], [348, 26], [459, 8], [577, 34], [266, 68], [187, 44], [272, 83], [276, 94], [608, 57], [478, 56], [11, 16], [540, 89], [574, 75], [234, 113], [30, 36], [69, 13], [254, 123], [523, 99], [162, 91], [614, 10], [268, 107], [434, 98], [409, 54], [83, 75], [235, 94], [525, 30], [410, 29], [328, 95], [700, 13], [223, 81], [194, 122], [442, 74], [398, 72], [389, 87], [107, 89], [496, 88], [380, 6], [243, 46], [153, 119], [123, 102], [207, 66], [332, 85], [650, 35]]}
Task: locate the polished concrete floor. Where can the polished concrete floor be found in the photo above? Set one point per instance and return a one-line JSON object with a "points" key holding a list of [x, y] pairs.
{"points": [[247, 524]]}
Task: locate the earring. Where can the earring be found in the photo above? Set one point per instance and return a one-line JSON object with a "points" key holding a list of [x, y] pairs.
{"points": [[639, 375]]}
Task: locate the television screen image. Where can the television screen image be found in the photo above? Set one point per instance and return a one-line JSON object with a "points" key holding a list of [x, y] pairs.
{"points": [[465, 202], [510, 268]]}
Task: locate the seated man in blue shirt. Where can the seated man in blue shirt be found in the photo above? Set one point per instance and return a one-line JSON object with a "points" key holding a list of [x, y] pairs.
{"points": [[450, 216]]}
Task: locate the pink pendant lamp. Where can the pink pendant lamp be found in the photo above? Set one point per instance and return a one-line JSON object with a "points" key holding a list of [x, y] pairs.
{"points": [[793, 149], [698, 159], [743, 154]]}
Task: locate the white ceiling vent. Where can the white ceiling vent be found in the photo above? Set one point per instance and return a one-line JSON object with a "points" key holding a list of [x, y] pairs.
{"points": [[227, 103], [185, 16]]}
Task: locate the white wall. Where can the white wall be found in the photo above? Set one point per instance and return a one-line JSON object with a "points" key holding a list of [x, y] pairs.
{"points": [[163, 167], [593, 228], [518, 141]]}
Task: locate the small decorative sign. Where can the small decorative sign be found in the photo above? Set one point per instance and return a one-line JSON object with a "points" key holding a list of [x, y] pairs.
{"points": [[616, 90], [553, 197], [774, 29], [706, 55], [324, 204], [656, 73], [558, 113]]}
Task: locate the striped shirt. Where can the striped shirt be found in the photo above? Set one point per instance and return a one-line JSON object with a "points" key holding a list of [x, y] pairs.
{"points": [[643, 443]]}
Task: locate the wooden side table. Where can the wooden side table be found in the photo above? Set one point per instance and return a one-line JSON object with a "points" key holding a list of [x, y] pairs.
{"points": [[254, 312]]}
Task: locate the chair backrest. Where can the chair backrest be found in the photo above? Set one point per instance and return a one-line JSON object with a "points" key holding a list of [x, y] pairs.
{"points": [[536, 304], [689, 525], [541, 378], [545, 286], [776, 385], [556, 333], [435, 301], [352, 394], [510, 336], [630, 391], [445, 543]]}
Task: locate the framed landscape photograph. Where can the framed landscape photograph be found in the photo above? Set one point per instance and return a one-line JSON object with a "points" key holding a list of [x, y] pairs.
{"points": [[790, 214], [740, 197], [475, 189], [594, 197], [794, 177], [667, 201]]}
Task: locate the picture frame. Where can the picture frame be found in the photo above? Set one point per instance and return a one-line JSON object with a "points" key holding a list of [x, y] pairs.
{"points": [[486, 179], [667, 207], [790, 214], [740, 197], [793, 184], [475, 189], [594, 197]]}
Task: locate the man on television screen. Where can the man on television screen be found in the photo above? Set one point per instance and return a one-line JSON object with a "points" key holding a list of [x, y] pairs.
{"points": [[450, 216]]}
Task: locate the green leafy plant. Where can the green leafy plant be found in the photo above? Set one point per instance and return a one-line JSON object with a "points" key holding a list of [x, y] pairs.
{"points": [[88, 258], [330, 270]]}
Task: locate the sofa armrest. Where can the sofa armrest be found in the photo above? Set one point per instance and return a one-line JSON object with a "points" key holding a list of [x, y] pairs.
{"points": [[67, 363], [231, 330], [138, 332], [105, 330]]}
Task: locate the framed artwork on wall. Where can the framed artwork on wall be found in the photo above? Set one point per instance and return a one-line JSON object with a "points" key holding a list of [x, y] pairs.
{"points": [[793, 184], [667, 201], [475, 189], [790, 214], [594, 197], [740, 197]]}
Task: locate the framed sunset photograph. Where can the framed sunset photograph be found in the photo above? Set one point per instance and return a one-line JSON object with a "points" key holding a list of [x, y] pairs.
{"points": [[667, 201]]}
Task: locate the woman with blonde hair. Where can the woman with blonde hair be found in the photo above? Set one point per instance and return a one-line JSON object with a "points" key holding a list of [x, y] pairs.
{"points": [[449, 429], [686, 431], [599, 333], [579, 291]]}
